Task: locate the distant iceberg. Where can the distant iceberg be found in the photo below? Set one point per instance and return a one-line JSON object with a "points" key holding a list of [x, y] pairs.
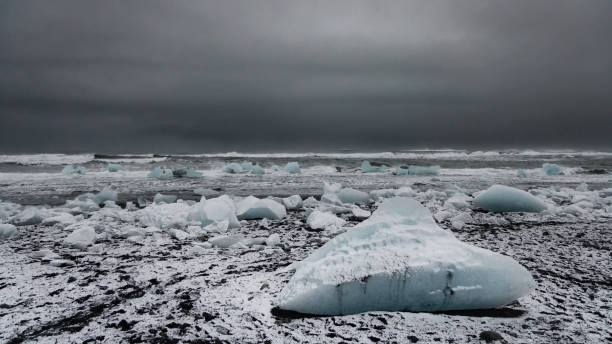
{"points": [[400, 260], [551, 169], [367, 167], [292, 167], [159, 173]]}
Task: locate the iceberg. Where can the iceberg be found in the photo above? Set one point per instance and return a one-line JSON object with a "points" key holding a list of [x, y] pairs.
{"points": [[159, 198], [424, 170], [252, 208], [319, 220], [292, 202], [233, 168], [551, 169], [257, 170], [214, 210], [348, 195], [292, 167], [521, 173], [159, 173], [501, 199], [114, 167], [7, 230], [400, 260], [81, 237]]}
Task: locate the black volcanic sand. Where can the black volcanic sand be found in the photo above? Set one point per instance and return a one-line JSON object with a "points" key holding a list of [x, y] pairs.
{"points": [[167, 290]]}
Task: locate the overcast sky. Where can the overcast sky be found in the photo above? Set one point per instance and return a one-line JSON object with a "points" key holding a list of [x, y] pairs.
{"points": [[196, 76]]}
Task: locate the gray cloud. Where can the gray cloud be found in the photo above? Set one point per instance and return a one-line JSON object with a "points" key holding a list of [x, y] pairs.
{"points": [[243, 75]]}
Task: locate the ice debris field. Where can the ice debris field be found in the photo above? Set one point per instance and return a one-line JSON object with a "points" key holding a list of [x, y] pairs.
{"points": [[255, 252]]}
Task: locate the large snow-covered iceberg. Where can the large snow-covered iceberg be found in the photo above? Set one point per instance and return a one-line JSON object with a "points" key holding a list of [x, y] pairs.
{"points": [[254, 208], [400, 260], [501, 199]]}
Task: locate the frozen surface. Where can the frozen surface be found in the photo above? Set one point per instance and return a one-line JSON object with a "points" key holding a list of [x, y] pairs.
{"points": [[501, 198], [152, 276], [399, 259]]}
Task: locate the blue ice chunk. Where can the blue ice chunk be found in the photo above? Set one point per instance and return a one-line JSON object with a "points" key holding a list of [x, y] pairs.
{"points": [[501, 198]]}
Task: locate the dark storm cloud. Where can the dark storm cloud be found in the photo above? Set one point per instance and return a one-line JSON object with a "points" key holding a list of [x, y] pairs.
{"points": [[284, 75]]}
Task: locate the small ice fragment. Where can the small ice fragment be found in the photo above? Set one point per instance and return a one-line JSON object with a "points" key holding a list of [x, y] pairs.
{"points": [[551, 169], [215, 210], [273, 240], [191, 173], [7, 230], [367, 167], [521, 173], [348, 195], [62, 263], [258, 170], [233, 168], [254, 208], [159, 198], [501, 198], [107, 194], [81, 237], [424, 170], [225, 241], [205, 192], [292, 167], [114, 167], [69, 169], [360, 213], [319, 220], [292, 202], [159, 173]]}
